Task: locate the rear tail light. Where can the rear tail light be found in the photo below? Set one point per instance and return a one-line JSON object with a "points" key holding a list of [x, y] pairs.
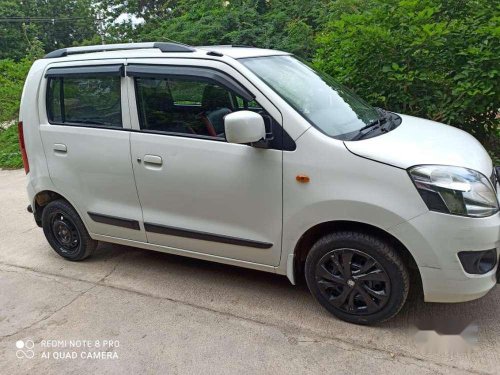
{"points": [[22, 147]]}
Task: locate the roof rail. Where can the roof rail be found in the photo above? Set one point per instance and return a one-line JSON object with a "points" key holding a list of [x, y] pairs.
{"points": [[241, 46], [162, 46], [229, 46]]}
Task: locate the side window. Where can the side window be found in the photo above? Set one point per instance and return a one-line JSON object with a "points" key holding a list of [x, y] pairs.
{"points": [[84, 100], [251, 106], [186, 105], [186, 92]]}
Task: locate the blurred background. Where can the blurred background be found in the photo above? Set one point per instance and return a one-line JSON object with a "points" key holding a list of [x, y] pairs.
{"points": [[433, 59]]}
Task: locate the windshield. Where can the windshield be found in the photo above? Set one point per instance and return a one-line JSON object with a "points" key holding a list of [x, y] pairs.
{"points": [[325, 103]]}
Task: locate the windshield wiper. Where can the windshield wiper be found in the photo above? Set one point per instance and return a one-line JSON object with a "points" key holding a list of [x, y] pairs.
{"points": [[374, 125]]}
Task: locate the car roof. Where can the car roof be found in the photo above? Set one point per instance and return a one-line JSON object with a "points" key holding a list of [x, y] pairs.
{"points": [[238, 52], [155, 50]]}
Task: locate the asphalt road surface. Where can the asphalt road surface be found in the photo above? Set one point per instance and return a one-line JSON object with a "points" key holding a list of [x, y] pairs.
{"points": [[127, 310]]}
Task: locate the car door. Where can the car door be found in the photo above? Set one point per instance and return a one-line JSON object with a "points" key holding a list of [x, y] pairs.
{"points": [[198, 192], [85, 131]]}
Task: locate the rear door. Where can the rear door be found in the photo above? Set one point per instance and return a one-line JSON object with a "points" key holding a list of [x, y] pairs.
{"points": [[85, 131], [198, 192]]}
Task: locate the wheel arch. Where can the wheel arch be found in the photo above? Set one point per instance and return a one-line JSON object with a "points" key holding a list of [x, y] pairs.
{"points": [[42, 199], [313, 234]]}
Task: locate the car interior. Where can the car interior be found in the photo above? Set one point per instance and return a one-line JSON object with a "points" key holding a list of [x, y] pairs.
{"points": [[181, 106]]}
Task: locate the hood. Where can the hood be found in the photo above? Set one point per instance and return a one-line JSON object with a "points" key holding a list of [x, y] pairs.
{"points": [[418, 141]]}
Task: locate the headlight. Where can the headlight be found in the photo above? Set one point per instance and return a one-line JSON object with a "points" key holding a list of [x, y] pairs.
{"points": [[455, 190]]}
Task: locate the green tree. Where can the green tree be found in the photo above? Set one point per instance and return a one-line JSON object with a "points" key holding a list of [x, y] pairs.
{"points": [[54, 23], [12, 41], [430, 58], [281, 24], [12, 76]]}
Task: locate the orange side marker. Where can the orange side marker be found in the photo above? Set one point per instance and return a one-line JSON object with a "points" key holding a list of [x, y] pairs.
{"points": [[302, 178]]}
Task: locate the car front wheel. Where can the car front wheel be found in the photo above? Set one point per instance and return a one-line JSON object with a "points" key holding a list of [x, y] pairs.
{"points": [[357, 277]]}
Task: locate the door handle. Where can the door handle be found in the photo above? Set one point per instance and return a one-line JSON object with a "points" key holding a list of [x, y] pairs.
{"points": [[60, 147], [153, 159]]}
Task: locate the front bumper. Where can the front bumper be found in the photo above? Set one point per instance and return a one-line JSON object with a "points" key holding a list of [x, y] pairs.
{"points": [[434, 240], [450, 286]]}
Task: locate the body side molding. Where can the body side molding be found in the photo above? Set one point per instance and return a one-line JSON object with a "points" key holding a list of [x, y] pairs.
{"points": [[173, 231], [113, 220]]}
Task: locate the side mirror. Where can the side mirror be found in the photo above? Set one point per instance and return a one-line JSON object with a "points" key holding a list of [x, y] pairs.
{"points": [[244, 127]]}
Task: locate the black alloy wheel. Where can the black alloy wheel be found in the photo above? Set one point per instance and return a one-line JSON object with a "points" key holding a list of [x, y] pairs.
{"points": [[353, 281], [358, 277]]}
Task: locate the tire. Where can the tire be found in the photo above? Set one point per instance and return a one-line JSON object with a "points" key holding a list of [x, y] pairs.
{"points": [[66, 232], [357, 277]]}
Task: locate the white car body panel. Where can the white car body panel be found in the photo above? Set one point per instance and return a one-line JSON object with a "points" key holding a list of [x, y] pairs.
{"points": [[242, 52], [92, 175], [248, 193], [418, 141], [332, 191], [204, 166]]}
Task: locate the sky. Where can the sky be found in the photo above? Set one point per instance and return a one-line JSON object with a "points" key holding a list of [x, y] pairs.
{"points": [[127, 16]]}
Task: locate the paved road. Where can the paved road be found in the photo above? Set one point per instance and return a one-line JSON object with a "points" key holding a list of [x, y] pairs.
{"points": [[176, 315]]}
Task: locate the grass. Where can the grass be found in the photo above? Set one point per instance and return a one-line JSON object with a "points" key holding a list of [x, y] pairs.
{"points": [[10, 156]]}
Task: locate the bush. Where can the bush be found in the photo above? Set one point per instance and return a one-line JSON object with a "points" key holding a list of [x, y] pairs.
{"points": [[280, 24], [10, 156], [429, 58], [12, 76]]}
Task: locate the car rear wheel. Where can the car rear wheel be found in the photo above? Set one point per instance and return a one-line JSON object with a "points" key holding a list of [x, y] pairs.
{"points": [[66, 232], [357, 277]]}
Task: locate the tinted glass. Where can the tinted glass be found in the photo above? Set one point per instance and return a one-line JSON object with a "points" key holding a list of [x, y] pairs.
{"points": [[317, 97], [92, 101], [187, 92], [185, 106], [54, 100]]}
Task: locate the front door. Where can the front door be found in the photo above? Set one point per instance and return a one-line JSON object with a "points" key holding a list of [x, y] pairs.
{"points": [[198, 192]]}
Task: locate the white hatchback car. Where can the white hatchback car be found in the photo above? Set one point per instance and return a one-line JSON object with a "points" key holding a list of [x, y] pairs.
{"points": [[250, 157]]}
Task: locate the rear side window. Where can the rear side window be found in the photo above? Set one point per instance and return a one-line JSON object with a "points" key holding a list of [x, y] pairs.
{"points": [[85, 100]]}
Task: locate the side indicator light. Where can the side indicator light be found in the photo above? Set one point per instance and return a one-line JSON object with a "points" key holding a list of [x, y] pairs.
{"points": [[302, 178]]}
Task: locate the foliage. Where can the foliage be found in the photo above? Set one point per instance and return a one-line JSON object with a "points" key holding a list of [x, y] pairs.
{"points": [[429, 58], [12, 77], [437, 59], [53, 23], [282, 24], [10, 156]]}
